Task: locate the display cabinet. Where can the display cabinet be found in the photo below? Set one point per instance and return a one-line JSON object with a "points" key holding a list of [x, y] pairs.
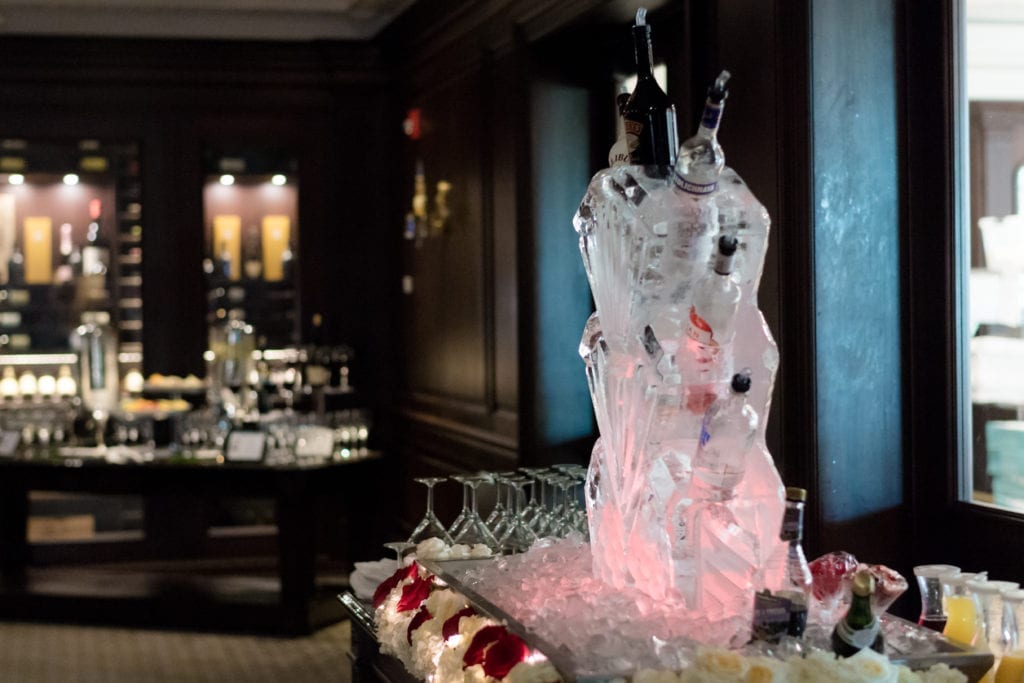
{"points": [[70, 242], [250, 215]]}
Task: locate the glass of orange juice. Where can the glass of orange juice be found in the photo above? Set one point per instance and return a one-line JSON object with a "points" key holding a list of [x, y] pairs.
{"points": [[1011, 668], [964, 622]]}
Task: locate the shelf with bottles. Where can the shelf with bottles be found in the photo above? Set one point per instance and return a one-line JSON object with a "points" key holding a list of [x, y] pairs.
{"points": [[70, 234]]}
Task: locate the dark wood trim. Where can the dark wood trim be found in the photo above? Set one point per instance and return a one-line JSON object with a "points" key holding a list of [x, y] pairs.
{"points": [[933, 425], [794, 411]]}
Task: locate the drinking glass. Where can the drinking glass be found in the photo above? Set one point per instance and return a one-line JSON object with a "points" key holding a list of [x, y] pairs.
{"points": [[963, 609], [400, 548], [430, 526], [472, 530], [929, 582], [991, 600], [518, 536], [1013, 617]]}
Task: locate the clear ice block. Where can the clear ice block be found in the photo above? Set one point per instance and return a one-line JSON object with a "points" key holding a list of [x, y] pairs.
{"points": [[645, 245]]}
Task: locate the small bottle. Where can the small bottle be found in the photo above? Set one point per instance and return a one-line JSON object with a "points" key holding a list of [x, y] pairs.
{"points": [[782, 608], [701, 160], [224, 266], [16, 268], [650, 118], [726, 436], [860, 628], [65, 271]]}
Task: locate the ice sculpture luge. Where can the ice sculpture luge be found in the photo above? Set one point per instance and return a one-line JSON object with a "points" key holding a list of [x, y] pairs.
{"points": [[659, 352]]}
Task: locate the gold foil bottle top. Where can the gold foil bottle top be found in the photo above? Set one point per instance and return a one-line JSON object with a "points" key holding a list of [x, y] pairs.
{"points": [[796, 493], [863, 583]]}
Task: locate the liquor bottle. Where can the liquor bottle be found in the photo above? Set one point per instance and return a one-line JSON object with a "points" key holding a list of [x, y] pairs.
{"points": [[650, 118], [64, 273], [711, 327], [782, 609], [860, 627], [224, 262], [16, 268], [726, 436], [253, 266], [618, 155], [701, 158], [96, 253]]}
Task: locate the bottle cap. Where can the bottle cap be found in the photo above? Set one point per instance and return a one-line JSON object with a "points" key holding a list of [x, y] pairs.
{"points": [[727, 245], [741, 382], [863, 583], [796, 493], [718, 92]]}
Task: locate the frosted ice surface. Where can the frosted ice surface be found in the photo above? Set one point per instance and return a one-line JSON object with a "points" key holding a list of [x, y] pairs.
{"points": [[645, 244]]}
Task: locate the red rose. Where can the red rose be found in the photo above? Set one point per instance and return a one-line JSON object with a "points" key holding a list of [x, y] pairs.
{"points": [[504, 654], [478, 646], [417, 621], [451, 624], [415, 593], [388, 585]]}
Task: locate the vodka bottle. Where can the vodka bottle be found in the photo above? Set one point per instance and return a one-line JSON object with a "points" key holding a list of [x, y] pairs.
{"points": [[726, 436], [650, 117], [781, 609], [711, 327], [860, 627], [701, 159]]}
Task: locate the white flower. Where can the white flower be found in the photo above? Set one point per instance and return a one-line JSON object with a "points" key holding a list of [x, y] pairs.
{"points": [[479, 550], [459, 551], [868, 666], [431, 548], [444, 604]]}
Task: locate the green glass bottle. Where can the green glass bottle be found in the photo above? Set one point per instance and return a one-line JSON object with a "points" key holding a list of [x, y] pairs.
{"points": [[860, 628]]}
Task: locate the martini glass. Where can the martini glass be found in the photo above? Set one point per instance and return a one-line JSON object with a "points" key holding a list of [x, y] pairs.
{"points": [[430, 526], [472, 529], [400, 548], [518, 536]]}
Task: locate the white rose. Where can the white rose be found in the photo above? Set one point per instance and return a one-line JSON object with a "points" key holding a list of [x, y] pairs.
{"points": [[479, 550], [459, 551], [871, 667], [430, 548], [444, 604], [655, 676]]}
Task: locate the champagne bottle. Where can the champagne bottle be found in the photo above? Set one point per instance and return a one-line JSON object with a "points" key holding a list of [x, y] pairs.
{"points": [[701, 158], [860, 627], [650, 118], [782, 608]]}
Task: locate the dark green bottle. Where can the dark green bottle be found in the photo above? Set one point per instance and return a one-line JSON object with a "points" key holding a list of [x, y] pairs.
{"points": [[860, 628]]}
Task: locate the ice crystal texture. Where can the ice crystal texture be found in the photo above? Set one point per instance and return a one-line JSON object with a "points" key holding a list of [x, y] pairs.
{"points": [[654, 368]]}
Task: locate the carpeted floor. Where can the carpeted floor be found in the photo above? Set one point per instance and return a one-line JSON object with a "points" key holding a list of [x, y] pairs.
{"points": [[57, 653]]}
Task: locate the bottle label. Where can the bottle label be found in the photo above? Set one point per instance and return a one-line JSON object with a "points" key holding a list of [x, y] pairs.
{"points": [[695, 188], [771, 616], [712, 115], [791, 525], [699, 330], [634, 129], [859, 638]]}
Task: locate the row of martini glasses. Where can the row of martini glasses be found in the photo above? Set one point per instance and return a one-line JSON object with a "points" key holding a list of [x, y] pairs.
{"points": [[530, 503]]}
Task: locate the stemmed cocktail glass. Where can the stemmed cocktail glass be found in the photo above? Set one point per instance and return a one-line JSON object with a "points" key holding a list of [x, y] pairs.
{"points": [[469, 528], [430, 526]]}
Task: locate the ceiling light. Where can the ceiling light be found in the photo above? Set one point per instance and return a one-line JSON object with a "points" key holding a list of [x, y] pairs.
{"points": [[16, 179], [71, 179], [227, 179], [279, 179]]}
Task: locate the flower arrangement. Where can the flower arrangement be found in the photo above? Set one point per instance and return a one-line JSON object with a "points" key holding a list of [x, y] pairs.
{"points": [[439, 637]]}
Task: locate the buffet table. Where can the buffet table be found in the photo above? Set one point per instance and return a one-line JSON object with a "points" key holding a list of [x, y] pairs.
{"points": [[295, 489], [907, 644]]}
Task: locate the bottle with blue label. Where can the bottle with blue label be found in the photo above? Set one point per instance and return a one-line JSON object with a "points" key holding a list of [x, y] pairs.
{"points": [[726, 437], [701, 159]]}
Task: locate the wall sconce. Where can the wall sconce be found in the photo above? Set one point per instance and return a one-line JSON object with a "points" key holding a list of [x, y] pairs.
{"points": [[424, 221]]}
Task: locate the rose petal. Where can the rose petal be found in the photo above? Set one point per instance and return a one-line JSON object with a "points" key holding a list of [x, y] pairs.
{"points": [[504, 654], [451, 624], [415, 593], [388, 585], [483, 638], [422, 616]]}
